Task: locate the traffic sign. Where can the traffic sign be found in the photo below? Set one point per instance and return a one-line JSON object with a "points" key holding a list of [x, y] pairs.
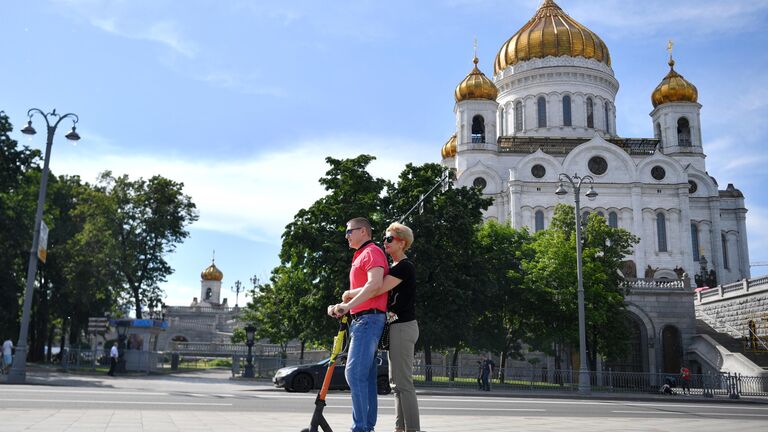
{"points": [[98, 324]]}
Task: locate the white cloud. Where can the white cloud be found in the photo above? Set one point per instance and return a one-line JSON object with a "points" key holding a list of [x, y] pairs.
{"points": [[252, 198], [251, 84], [127, 20]]}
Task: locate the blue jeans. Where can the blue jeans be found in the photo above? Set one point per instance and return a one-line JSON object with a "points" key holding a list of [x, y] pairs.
{"points": [[360, 371]]}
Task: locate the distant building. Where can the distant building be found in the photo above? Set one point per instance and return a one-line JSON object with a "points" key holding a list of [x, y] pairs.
{"points": [[208, 320], [550, 109]]}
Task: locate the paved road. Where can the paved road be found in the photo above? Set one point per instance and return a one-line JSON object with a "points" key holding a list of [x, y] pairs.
{"points": [[210, 402]]}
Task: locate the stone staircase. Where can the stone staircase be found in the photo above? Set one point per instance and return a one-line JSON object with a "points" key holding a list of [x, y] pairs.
{"points": [[732, 344]]}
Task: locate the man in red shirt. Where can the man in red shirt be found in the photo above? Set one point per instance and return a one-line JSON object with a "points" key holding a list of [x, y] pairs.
{"points": [[369, 266]]}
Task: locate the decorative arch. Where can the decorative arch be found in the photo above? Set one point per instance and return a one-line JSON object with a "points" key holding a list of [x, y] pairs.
{"points": [[671, 349], [522, 171], [493, 180], [636, 359], [627, 168]]}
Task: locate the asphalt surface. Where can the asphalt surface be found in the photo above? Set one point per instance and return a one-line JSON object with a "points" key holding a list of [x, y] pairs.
{"points": [[210, 401]]}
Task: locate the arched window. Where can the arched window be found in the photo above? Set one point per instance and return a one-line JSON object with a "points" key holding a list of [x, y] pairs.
{"points": [[683, 132], [542, 110], [539, 222], [566, 110], [584, 218], [661, 231], [657, 132], [601, 214], [607, 117], [724, 240], [590, 113], [613, 220], [518, 116], [695, 241], [478, 129]]}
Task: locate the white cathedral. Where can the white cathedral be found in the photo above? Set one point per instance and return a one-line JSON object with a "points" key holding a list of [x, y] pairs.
{"points": [[549, 110]]}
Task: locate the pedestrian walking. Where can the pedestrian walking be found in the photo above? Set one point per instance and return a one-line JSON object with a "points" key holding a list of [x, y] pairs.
{"points": [[487, 372], [685, 380], [114, 354], [7, 355]]}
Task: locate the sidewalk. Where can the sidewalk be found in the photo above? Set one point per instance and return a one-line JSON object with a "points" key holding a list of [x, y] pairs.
{"points": [[220, 380]]}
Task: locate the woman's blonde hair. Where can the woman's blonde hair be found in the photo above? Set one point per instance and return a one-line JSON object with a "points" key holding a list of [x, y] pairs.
{"points": [[403, 232]]}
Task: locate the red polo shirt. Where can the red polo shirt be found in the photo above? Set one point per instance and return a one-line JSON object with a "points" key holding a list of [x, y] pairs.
{"points": [[367, 257]]}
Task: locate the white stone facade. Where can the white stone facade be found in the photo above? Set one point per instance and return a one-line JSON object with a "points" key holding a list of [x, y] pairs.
{"points": [[627, 188]]}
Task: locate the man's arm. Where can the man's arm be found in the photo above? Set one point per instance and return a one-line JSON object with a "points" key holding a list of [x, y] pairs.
{"points": [[372, 285]]}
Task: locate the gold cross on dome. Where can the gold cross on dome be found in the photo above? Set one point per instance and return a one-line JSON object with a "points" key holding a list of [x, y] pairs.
{"points": [[669, 47]]}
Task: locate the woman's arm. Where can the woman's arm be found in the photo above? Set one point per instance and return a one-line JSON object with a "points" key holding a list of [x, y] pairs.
{"points": [[389, 283]]}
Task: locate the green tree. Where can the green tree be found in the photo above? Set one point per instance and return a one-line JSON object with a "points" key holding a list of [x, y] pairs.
{"points": [[19, 183], [448, 266], [503, 319], [552, 281], [146, 219], [315, 256]]}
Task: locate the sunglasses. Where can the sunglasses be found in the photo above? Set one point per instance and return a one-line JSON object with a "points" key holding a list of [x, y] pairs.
{"points": [[351, 230], [389, 239]]}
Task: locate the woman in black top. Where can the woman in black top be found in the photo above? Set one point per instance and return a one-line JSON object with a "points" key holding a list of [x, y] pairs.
{"points": [[403, 329]]}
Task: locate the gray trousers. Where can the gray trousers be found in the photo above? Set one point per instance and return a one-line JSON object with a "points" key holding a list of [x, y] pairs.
{"points": [[402, 339]]}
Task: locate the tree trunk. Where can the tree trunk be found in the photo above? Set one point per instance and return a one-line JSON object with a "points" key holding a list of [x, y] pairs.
{"points": [[454, 364], [427, 362], [301, 354], [503, 364], [137, 300]]}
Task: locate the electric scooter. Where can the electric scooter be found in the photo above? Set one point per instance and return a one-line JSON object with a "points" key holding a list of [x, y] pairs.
{"points": [[318, 420]]}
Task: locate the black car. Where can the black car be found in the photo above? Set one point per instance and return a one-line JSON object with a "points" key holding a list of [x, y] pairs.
{"points": [[304, 378]]}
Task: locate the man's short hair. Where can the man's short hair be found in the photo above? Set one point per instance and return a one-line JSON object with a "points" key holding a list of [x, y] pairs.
{"points": [[361, 222]]}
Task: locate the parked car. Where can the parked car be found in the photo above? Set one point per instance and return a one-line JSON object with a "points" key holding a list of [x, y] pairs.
{"points": [[304, 378]]}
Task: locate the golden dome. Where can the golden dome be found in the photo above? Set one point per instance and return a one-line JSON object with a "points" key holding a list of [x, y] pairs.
{"points": [[674, 88], [449, 148], [212, 273], [551, 32], [476, 86]]}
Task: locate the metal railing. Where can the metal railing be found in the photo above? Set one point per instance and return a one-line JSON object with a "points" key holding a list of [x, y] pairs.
{"points": [[538, 379]]}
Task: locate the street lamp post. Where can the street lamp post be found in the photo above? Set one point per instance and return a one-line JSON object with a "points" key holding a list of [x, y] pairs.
{"points": [[18, 372], [249, 334], [576, 182], [122, 332], [237, 289]]}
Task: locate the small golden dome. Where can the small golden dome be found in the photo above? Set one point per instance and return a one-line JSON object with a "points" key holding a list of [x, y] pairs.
{"points": [[551, 32], [212, 273], [674, 88], [476, 86], [449, 148]]}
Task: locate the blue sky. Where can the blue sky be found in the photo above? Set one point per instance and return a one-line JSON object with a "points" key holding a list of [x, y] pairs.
{"points": [[242, 100]]}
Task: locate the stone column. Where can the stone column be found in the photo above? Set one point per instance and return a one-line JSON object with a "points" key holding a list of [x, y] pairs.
{"points": [[637, 228], [716, 260], [741, 222], [515, 201], [686, 243]]}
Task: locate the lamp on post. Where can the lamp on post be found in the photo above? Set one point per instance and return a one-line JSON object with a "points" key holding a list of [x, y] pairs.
{"points": [[249, 334], [576, 182], [18, 373], [122, 332], [237, 289]]}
